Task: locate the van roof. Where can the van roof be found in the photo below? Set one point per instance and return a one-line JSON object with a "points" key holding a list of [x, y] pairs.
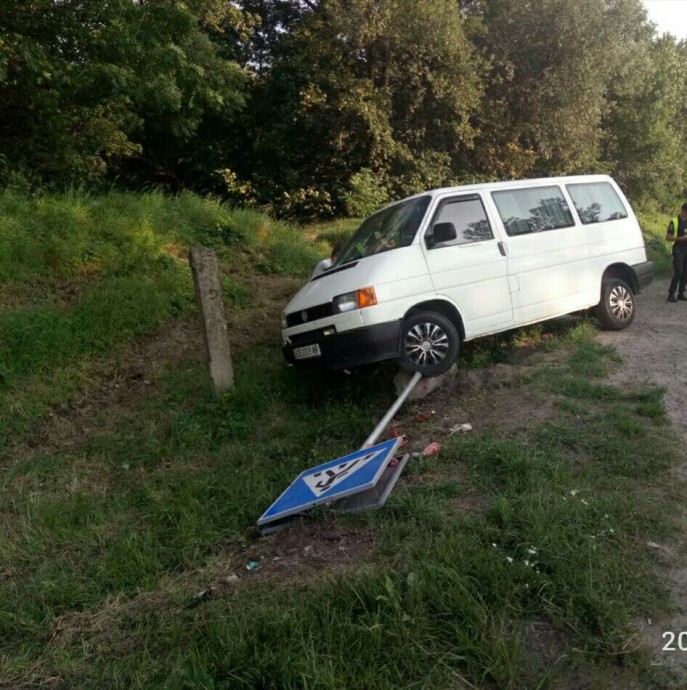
{"points": [[510, 184]]}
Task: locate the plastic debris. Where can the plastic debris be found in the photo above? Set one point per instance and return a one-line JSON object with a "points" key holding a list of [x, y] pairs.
{"points": [[201, 597], [431, 449], [659, 547], [396, 434], [253, 565], [461, 428], [231, 579]]}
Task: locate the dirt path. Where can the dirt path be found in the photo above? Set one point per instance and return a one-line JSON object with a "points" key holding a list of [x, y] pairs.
{"points": [[654, 350]]}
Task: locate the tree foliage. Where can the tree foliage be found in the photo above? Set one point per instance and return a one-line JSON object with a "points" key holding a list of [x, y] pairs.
{"points": [[315, 106], [86, 84], [385, 85], [644, 130], [551, 63]]}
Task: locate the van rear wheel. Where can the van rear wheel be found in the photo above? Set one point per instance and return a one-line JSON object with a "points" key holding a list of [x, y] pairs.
{"points": [[616, 309], [429, 344]]}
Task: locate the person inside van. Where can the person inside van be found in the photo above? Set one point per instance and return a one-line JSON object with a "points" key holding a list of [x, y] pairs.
{"points": [[677, 234]]}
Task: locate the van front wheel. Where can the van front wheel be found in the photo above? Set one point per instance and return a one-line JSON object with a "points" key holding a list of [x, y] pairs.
{"points": [[429, 344], [616, 309]]}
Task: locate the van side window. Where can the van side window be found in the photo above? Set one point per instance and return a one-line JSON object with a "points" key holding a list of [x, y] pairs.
{"points": [[468, 217], [533, 210], [596, 202]]}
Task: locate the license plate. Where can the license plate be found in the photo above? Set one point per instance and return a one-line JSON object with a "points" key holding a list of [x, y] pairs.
{"points": [[307, 352]]}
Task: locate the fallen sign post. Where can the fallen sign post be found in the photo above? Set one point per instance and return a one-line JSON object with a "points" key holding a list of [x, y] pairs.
{"points": [[360, 480]]}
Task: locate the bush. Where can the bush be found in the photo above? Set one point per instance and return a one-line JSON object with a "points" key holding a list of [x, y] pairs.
{"points": [[654, 224], [366, 195]]}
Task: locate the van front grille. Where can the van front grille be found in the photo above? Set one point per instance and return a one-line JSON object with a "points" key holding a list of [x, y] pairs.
{"points": [[319, 311]]}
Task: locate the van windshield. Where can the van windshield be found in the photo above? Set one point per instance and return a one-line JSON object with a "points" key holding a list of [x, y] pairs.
{"points": [[390, 228]]}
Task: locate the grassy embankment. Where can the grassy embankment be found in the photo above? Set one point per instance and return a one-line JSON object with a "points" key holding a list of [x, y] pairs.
{"points": [[654, 224], [513, 558]]}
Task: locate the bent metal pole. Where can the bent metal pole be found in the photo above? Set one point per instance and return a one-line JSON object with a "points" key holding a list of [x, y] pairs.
{"points": [[372, 438]]}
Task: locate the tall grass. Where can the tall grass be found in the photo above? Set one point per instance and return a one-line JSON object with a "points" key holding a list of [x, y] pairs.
{"points": [[77, 236], [654, 224], [80, 274]]}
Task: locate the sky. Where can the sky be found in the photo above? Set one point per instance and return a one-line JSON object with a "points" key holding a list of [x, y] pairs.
{"points": [[669, 15]]}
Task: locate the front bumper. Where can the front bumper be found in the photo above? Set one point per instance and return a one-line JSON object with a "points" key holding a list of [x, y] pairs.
{"points": [[348, 349], [644, 273]]}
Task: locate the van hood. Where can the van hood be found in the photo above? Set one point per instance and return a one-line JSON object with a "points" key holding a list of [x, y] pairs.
{"points": [[370, 271]]}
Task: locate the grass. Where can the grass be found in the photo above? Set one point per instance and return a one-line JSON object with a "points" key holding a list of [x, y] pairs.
{"points": [[110, 530], [654, 224], [441, 600], [80, 275]]}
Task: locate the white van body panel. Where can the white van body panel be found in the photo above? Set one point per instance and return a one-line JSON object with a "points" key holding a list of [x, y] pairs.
{"points": [[399, 278], [486, 285], [457, 270]]}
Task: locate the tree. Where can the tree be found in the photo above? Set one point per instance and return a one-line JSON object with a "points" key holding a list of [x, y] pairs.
{"points": [[86, 84], [271, 21], [385, 85], [644, 130], [551, 63]]}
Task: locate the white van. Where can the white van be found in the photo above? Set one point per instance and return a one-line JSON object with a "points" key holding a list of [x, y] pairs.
{"points": [[429, 272]]}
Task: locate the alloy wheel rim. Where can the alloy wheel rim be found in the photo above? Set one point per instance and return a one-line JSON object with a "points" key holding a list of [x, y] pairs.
{"points": [[426, 345], [620, 302]]}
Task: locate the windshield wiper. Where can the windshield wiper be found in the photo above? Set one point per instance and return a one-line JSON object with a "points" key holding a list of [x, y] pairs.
{"points": [[336, 269]]}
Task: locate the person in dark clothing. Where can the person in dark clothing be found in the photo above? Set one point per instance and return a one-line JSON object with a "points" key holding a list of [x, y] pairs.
{"points": [[677, 234]]}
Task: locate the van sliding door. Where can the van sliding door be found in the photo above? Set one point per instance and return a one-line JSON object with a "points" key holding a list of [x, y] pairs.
{"points": [[548, 260]]}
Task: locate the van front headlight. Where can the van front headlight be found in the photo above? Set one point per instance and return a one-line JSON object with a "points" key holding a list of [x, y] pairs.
{"points": [[358, 299]]}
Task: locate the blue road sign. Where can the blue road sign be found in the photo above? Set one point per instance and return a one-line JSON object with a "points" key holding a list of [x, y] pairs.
{"points": [[333, 480]]}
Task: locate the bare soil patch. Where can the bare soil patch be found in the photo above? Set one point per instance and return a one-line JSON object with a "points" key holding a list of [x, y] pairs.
{"points": [[304, 551], [654, 350]]}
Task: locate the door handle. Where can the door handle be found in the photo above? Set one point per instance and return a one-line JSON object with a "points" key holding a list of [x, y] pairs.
{"points": [[502, 248]]}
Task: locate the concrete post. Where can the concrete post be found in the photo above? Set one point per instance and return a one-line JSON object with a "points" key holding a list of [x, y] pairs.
{"points": [[209, 298]]}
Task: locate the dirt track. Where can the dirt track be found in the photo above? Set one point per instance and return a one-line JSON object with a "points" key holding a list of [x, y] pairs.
{"points": [[654, 350]]}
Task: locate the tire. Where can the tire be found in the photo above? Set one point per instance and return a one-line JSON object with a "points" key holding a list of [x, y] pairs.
{"points": [[616, 309], [429, 344]]}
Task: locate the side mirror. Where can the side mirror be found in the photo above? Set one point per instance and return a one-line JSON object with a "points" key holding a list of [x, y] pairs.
{"points": [[442, 232]]}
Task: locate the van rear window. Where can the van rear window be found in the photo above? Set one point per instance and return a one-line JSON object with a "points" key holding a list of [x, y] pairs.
{"points": [[596, 202], [524, 211]]}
